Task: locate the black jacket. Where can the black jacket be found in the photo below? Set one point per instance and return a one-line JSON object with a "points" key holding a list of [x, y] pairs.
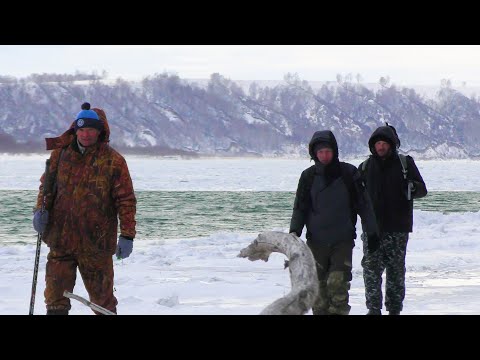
{"points": [[326, 222], [388, 188]]}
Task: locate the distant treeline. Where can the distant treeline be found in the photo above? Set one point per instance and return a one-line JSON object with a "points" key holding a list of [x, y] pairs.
{"points": [[166, 114], [46, 77]]}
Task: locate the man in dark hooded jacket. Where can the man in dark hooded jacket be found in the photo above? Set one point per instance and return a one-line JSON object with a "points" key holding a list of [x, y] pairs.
{"points": [[392, 190], [330, 194]]}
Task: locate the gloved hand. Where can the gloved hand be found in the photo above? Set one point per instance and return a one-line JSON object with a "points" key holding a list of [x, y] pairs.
{"points": [[413, 188], [124, 247], [40, 220], [373, 242], [410, 189]]}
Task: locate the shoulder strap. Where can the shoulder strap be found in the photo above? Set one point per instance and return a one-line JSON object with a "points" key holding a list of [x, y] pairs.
{"points": [[310, 175], [364, 165], [348, 177], [61, 154], [347, 169], [59, 158], [403, 161], [54, 179], [307, 183]]}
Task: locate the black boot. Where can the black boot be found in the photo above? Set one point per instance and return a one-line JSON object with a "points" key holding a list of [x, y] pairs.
{"points": [[320, 311], [374, 312], [394, 312], [57, 311]]}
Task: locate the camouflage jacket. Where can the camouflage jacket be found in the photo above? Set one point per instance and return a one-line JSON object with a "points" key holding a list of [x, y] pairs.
{"points": [[92, 191]]}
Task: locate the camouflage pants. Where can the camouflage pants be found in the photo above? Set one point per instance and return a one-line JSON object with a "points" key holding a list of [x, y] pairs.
{"points": [[390, 257], [97, 274], [334, 270]]}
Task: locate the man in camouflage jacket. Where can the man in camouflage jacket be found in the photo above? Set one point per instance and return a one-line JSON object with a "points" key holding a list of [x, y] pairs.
{"points": [[92, 189]]}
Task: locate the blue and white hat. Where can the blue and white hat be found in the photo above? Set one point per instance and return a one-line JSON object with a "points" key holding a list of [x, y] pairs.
{"points": [[88, 119]]}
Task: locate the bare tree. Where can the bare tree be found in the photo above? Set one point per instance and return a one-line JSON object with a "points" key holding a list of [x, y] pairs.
{"points": [[339, 78], [384, 81]]}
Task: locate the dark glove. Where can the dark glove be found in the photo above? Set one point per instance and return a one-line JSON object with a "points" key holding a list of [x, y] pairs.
{"points": [[124, 247], [40, 220], [373, 242]]}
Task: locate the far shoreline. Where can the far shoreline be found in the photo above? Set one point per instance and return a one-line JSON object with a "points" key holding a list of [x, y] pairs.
{"points": [[46, 153]]}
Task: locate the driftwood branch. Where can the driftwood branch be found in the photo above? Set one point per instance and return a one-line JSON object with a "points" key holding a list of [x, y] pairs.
{"points": [[301, 263]]}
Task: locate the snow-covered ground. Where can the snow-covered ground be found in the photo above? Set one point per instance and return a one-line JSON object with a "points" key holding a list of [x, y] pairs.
{"points": [[204, 276]]}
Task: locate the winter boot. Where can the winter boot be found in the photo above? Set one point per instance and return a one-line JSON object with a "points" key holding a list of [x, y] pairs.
{"points": [[320, 311], [57, 311], [394, 312], [374, 312]]}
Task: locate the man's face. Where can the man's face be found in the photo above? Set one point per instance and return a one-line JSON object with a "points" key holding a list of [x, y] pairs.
{"points": [[325, 156], [382, 148], [88, 136]]}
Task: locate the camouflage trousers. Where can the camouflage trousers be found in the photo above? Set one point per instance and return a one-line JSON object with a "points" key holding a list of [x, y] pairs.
{"points": [[390, 256], [97, 274], [334, 270]]}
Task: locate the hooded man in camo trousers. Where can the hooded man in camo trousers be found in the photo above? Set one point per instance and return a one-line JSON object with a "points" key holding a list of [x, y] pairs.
{"points": [[392, 190]]}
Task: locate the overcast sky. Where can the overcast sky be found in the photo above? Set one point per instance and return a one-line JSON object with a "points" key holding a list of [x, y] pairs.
{"points": [[404, 64]]}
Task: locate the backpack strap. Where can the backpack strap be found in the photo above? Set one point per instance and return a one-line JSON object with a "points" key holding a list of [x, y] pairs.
{"points": [[60, 157], [403, 161], [364, 165], [349, 180], [303, 197]]}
